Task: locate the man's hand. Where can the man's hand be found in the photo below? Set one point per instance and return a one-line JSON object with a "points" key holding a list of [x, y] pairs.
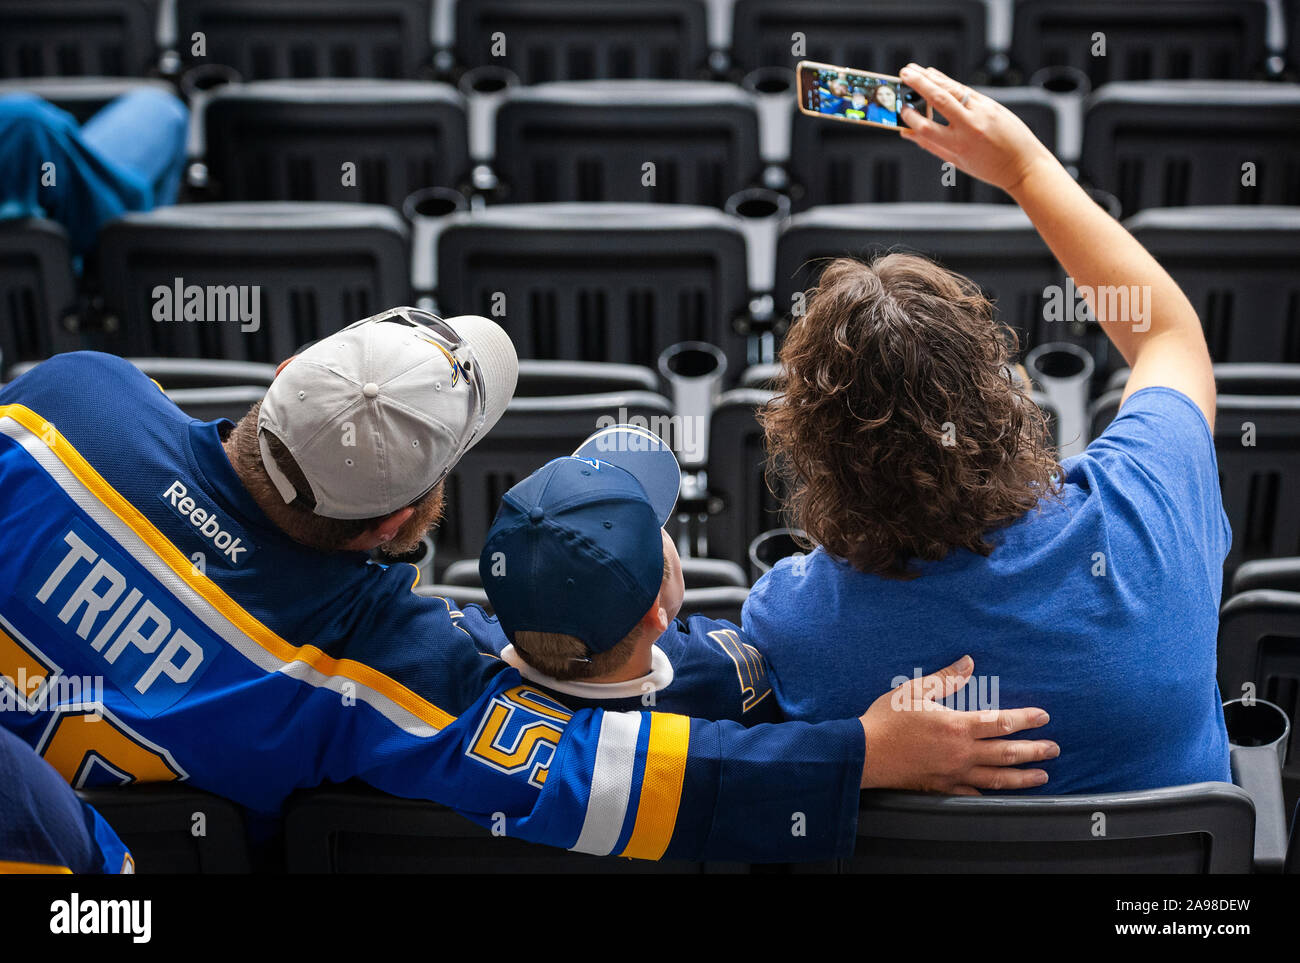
{"points": [[914, 741]]}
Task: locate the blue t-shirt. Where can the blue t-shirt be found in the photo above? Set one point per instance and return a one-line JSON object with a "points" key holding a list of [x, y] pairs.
{"points": [[1102, 609]]}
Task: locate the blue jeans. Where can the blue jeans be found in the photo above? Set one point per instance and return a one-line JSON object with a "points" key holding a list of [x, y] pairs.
{"points": [[129, 157]]}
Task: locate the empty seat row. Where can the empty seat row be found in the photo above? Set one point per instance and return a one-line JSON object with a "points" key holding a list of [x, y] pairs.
{"points": [[596, 282], [544, 40]]}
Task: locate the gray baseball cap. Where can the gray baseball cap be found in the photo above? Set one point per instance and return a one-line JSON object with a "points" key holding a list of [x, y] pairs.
{"points": [[378, 413]]}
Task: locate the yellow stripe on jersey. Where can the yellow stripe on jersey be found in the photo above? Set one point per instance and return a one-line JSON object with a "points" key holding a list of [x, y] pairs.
{"points": [[177, 561], [8, 868], [661, 786]]}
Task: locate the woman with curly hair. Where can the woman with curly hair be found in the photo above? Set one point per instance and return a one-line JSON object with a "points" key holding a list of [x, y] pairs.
{"points": [[922, 472]]}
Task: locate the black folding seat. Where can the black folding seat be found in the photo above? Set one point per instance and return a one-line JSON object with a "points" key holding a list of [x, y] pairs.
{"points": [[738, 476], [82, 97], [546, 40], [1240, 267], [529, 434], [1259, 645], [994, 245], [627, 140], [274, 39], [1206, 827], [1257, 442], [1180, 143], [294, 140], [1143, 39], [307, 268], [356, 829], [37, 291], [598, 282], [73, 38], [838, 163], [866, 34], [173, 828]]}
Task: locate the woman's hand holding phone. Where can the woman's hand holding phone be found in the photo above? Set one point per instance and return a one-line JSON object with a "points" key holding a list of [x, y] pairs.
{"points": [[982, 137]]}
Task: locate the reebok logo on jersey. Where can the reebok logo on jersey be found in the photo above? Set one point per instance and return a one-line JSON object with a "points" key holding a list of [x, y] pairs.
{"points": [[230, 544]]}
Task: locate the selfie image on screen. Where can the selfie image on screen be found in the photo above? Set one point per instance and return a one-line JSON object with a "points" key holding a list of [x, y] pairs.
{"points": [[855, 97]]}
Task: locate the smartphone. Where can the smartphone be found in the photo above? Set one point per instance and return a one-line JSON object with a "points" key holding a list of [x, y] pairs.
{"points": [[857, 96]]}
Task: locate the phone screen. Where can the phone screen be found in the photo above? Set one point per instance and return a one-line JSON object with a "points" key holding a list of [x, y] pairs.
{"points": [[855, 95]]}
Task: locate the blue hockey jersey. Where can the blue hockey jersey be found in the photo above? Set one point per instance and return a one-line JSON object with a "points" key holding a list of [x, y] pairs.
{"points": [[706, 667], [156, 626], [44, 827]]}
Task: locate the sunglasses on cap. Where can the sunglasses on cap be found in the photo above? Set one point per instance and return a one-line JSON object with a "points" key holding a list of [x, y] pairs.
{"points": [[443, 336]]}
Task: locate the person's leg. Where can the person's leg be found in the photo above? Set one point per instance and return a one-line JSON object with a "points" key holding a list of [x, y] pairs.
{"points": [[143, 134], [46, 170]]}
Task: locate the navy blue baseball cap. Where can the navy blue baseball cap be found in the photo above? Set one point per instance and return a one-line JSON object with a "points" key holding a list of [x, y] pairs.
{"points": [[576, 547]]}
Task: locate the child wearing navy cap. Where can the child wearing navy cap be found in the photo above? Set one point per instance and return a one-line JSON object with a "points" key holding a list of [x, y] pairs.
{"points": [[587, 586]]}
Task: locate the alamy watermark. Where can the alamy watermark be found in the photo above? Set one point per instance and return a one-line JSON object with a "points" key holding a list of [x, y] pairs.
{"points": [[209, 304]]}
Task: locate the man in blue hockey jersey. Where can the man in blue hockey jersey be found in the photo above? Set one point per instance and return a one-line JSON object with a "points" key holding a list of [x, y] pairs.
{"points": [[587, 586], [216, 577]]}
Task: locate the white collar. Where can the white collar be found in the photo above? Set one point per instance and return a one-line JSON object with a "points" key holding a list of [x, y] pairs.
{"points": [[659, 677]]}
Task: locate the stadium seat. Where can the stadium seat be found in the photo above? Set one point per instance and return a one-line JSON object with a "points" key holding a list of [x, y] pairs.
{"points": [[697, 573], [1257, 440], [74, 38], [281, 39], [866, 34], [37, 291], [1144, 39], [82, 97], [460, 594], [836, 163], [994, 245], [592, 142], [538, 378], [200, 386], [1202, 828], [293, 140], [1240, 267], [356, 829], [547, 40], [175, 829], [1259, 644], [1180, 143], [1282, 574], [310, 268], [599, 282], [529, 434], [737, 476]]}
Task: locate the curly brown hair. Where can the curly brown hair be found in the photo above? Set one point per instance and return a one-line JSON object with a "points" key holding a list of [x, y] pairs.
{"points": [[899, 429]]}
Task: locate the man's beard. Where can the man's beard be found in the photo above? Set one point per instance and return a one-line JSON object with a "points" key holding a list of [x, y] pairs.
{"points": [[428, 513]]}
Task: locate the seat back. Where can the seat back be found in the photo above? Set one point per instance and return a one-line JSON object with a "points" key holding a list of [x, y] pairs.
{"points": [[1202, 828], [1240, 268], [547, 40], [737, 475], [530, 433], [295, 140], [835, 164], [273, 39], [1143, 39], [1180, 143], [994, 245], [1259, 646], [37, 291], [75, 38], [878, 35], [606, 282], [175, 829], [593, 142], [178, 278]]}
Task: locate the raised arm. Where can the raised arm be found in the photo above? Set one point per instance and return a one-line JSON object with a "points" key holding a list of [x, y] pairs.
{"points": [[1140, 307]]}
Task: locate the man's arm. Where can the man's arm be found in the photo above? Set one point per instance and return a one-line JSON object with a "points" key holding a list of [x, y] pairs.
{"points": [[1158, 334]]}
